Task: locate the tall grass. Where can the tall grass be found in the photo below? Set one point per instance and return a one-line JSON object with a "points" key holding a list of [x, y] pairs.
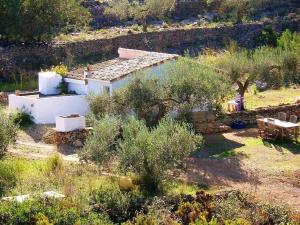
{"points": [[21, 82]]}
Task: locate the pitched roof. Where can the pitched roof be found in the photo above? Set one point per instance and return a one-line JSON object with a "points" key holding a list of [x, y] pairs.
{"points": [[120, 67]]}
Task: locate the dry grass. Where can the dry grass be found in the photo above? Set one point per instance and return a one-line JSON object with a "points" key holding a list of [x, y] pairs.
{"points": [[272, 97], [242, 160], [106, 33]]}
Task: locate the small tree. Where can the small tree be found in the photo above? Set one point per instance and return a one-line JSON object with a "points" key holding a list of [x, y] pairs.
{"points": [[238, 67], [8, 133], [186, 85], [101, 145], [151, 153]]}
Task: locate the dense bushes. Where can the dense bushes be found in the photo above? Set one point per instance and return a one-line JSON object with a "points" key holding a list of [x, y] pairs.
{"points": [[92, 199], [8, 133], [119, 205], [40, 20], [47, 212], [149, 153]]}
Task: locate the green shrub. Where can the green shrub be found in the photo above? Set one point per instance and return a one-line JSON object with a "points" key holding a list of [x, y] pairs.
{"points": [[235, 10], [21, 118], [120, 206], [289, 41], [269, 214], [269, 36], [8, 177], [146, 220], [151, 153], [291, 67], [54, 164], [8, 133], [47, 212], [100, 147]]}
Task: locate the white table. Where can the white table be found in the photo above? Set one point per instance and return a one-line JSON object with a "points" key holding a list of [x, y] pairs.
{"points": [[283, 125]]}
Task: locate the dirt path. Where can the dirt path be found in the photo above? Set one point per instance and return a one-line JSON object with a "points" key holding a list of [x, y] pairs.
{"points": [[32, 150], [240, 160]]}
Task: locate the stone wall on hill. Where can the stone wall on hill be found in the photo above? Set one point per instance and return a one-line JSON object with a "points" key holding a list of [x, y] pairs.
{"points": [[35, 57], [206, 122]]}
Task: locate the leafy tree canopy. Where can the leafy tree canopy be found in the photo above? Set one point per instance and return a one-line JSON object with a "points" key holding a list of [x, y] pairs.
{"points": [[147, 152], [186, 85], [40, 20]]}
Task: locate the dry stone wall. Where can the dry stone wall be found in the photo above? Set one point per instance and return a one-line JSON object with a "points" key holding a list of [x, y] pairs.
{"points": [[206, 122], [30, 57], [73, 138]]}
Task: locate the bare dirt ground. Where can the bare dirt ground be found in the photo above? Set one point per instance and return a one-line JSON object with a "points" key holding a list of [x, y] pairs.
{"points": [[30, 145], [268, 170]]}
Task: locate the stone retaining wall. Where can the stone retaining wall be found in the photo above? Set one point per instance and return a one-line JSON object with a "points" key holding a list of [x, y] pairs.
{"points": [[73, 138], [28, 57], [249, 117], [206, 122]]}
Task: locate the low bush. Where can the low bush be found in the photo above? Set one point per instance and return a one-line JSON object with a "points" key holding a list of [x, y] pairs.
{"points": [[21, 118], [8, 133], [47, 212], [8, 177], [54, 164], [119, 205]]}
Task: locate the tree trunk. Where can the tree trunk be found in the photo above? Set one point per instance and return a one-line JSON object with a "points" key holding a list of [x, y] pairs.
{"points": [[242, 89]]}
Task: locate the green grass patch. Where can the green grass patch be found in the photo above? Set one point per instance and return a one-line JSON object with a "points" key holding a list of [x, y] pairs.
{"points": [[272, 97], [28, 85]]}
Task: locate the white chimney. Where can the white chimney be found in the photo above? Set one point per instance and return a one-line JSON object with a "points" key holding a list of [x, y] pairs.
{"points": [[48, 83]]}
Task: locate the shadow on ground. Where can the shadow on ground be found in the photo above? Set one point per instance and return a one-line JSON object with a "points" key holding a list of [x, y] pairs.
{"points": [[292, 146], [217, 145], [36, 132], [217, 164]]}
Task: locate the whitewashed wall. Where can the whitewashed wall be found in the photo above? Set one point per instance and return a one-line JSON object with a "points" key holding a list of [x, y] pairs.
{"points": [[96, 86], [151, 72], [44, 110], [23, 103]]}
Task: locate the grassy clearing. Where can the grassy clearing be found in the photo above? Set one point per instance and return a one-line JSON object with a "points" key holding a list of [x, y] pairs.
{"points": [[36, 176], [272, 97], [266, 155], [27, 85]]}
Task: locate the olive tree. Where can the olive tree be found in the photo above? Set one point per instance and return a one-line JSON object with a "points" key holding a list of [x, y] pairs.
{"points": [[152, 152], [148, 152], [101, 145], [186, 85], [8, 133]]}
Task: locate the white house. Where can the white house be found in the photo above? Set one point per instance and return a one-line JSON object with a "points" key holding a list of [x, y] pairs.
{"points": [[99, 78]]}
